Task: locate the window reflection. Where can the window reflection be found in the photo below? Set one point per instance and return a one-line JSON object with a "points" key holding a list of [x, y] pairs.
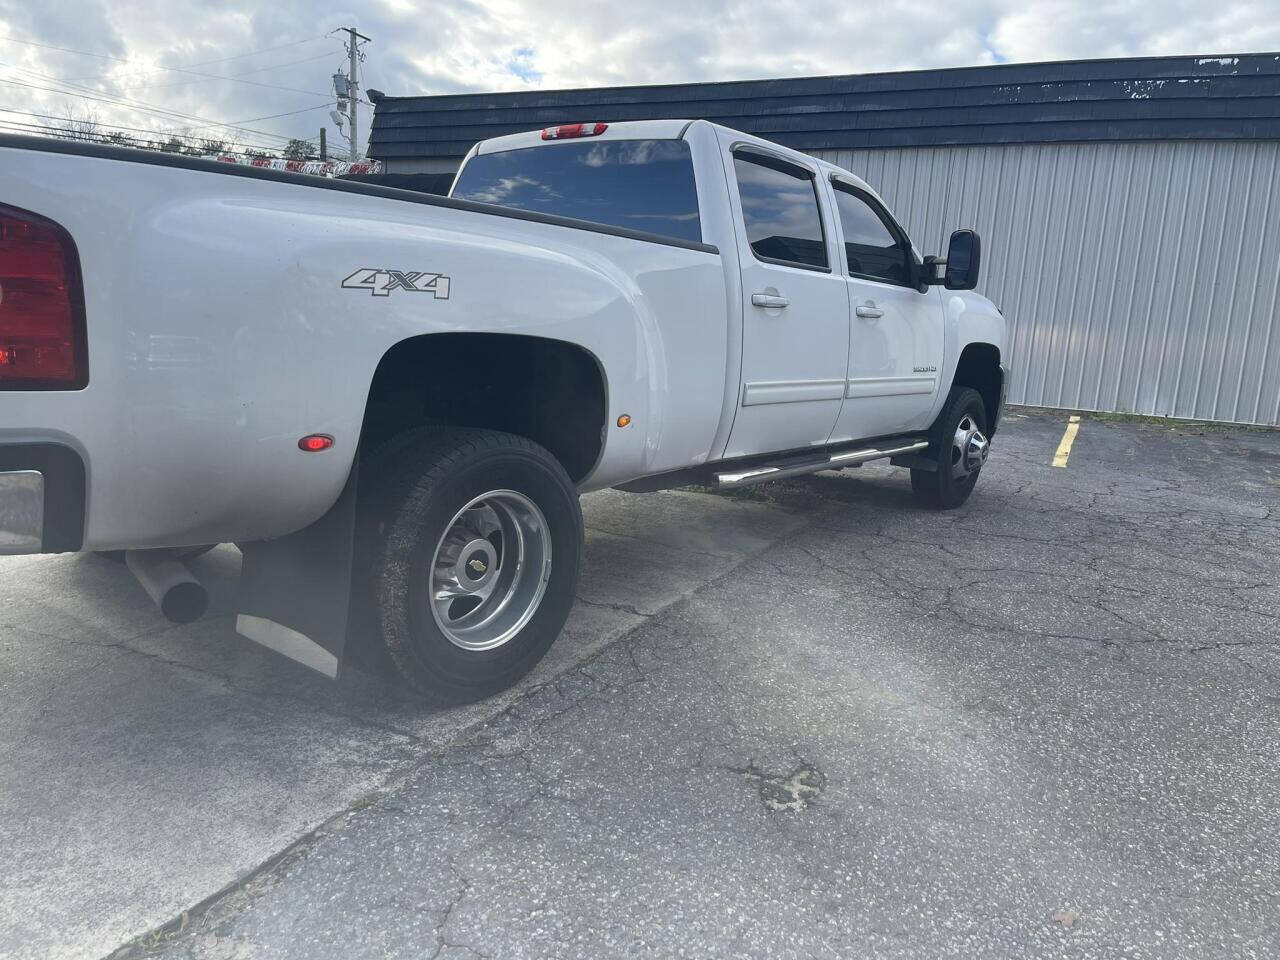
{"points": [[870, 247], [780, 209], [638, 184]]}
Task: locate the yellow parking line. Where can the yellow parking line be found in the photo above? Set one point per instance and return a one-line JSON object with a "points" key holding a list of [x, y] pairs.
{"points": [[1068, 438]]}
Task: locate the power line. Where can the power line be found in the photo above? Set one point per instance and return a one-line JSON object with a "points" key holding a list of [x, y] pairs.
{"points": [[254, 53], [119, 127], [180, 83], [137, 105], [99, 96], [119, 138], [203, 63], [54, 46], [92, 93], [211, 76], [167, 114], [254, 83], [199, 63], [160, 140], [291, 113]]}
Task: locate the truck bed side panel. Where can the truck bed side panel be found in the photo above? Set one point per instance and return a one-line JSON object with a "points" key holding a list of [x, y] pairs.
{"points": [[220, 333]]}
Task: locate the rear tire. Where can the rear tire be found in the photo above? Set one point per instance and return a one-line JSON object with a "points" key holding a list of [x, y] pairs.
{"points": [[959, 445], [476, 545]]}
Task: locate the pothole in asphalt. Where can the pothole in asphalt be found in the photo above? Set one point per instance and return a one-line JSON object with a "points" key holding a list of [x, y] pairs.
{"points": [[791, 793]]}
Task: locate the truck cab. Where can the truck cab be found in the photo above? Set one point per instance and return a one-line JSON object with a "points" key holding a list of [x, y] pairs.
{"points": [[838, 330]]}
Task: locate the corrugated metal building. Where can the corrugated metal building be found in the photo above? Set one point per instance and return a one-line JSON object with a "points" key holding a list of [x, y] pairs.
{"points": [[1129, 209]]}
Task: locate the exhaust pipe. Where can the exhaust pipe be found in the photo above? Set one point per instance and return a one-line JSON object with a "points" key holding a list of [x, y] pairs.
{"points": [[179, 595]]}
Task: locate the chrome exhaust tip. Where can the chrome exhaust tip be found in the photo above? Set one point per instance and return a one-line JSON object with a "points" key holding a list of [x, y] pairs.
{"points": [[174, 589]]}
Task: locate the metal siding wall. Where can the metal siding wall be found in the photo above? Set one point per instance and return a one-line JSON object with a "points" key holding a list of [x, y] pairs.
{"points": [[1135, 277]]}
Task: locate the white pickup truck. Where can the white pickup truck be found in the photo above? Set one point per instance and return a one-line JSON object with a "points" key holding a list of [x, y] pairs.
{"points": [[391, 401]]}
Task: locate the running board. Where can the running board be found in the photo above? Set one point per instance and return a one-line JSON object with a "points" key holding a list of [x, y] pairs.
{"points": [[851, 458]]}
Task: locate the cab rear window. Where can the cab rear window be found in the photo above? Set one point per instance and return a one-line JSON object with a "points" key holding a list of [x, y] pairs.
{"points": [[635, 184]]}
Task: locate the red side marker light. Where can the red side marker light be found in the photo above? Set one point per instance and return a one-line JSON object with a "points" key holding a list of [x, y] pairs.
{"points": [[315, 442], [571, 131]]}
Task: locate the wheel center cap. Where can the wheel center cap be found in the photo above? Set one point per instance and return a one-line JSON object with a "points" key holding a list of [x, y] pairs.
{"points": [[978, 449], [477, 563]]}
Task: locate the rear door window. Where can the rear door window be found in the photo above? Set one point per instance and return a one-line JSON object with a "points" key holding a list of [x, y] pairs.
{"points": [[635, 184], [780, 211]]}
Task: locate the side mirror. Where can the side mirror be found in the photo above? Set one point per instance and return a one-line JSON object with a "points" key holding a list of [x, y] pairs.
{"points": [[964, 257]]}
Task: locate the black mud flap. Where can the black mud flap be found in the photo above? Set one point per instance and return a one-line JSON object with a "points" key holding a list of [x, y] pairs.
{"points": [[1000, 404], [295, 592]]}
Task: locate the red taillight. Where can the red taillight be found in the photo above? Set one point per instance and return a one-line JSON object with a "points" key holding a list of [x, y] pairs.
{"points": [[315, 442], [568, 131], [42, 340]]}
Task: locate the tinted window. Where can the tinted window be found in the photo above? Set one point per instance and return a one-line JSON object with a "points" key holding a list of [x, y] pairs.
{"points": [[869, 245], [780, 209], [637, 184]]}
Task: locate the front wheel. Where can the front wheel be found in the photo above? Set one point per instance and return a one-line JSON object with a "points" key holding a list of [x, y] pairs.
{"points": [[477, 549], [959, 445]]}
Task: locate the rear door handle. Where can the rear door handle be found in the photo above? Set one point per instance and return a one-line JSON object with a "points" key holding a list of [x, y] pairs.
{"points": [[871, 313], [768, 300]]}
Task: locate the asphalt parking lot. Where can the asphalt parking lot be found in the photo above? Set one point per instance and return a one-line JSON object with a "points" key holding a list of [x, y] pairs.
{"points": [[811, 720]]}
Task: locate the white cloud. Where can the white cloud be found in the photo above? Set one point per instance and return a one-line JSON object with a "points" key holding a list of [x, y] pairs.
{"points": [[454, 46]]}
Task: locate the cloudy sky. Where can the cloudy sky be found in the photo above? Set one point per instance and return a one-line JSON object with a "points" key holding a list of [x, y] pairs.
{"points": [[264, 66]]}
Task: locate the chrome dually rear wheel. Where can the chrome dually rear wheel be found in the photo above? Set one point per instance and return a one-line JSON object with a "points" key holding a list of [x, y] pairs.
{"points": [[490, 570], [474, 539]]}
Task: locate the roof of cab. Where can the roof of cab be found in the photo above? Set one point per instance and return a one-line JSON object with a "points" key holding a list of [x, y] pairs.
{"points": [[667, 130], [822, 166], [627, 130]]}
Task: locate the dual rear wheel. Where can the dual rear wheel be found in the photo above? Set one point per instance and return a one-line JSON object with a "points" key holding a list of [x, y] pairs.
{"points": [[474, 548]]}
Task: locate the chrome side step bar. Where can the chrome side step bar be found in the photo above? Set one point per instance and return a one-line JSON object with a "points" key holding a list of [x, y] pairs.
{"points": [[851, 458]]}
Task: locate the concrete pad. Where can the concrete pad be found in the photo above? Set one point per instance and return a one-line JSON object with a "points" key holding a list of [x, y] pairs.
{"points": [[131, 788], [147, 766], [892, 734], [806, 720]]}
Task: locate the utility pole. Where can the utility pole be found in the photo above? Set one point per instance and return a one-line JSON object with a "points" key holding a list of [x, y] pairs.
{"points": [[353, 84], [324, 147]]}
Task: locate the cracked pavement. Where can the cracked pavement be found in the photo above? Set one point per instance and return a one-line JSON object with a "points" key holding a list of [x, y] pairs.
{"points": [[805, 720]]}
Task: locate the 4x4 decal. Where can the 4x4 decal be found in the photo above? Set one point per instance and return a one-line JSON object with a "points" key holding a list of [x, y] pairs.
{"points": [[381, 282]]}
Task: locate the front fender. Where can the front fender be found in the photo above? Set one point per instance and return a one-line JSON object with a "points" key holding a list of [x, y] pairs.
{"points": [[968, 318]]}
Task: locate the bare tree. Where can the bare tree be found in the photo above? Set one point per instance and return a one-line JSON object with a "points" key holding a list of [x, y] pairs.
{"points": [[85, 125], [80, 124]]}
